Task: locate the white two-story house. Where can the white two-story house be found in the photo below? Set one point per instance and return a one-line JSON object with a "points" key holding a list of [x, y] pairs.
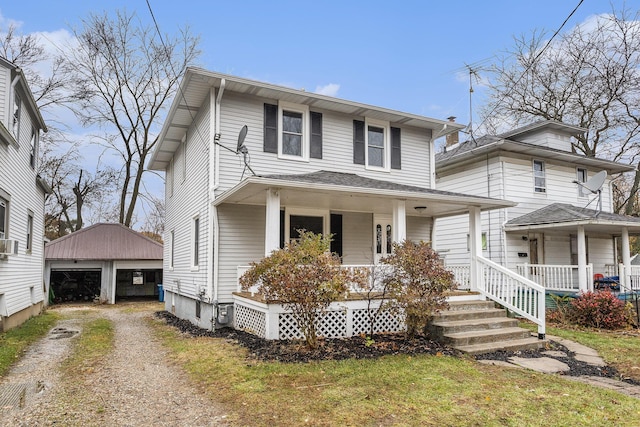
{"points": [[22, 194], [560, 234], [308, 161]]}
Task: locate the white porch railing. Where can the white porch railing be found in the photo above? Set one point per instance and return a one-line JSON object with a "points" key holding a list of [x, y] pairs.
{"points": [[513, 291], [629, 277], [562, 278], [461, 275]]}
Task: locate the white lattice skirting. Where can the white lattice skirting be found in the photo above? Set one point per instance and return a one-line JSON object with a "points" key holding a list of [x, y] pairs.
{"points": [[342, 319]]}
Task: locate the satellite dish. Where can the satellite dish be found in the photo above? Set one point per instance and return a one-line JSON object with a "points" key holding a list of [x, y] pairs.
{"points": [[594, 184], [241, 137]]}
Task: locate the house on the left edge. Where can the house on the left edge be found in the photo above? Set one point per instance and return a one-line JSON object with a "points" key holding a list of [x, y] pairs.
{"points": [[234, 194], [22, 196]]}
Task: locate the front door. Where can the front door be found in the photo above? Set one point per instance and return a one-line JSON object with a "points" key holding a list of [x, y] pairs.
{"points": [[382, 237]]}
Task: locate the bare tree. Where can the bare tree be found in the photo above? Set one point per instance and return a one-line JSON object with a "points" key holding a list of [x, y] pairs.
{"points": [[123, 74], [589, 76]]}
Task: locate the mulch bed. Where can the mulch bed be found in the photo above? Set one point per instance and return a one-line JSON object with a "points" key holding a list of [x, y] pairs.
{"points": [[359, 347]]}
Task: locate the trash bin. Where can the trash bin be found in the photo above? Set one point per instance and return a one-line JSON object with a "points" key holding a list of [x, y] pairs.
{"points": [[160, 292]]}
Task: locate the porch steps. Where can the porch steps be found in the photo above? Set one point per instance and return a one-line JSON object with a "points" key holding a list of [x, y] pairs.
{"points": [[477, 327]]}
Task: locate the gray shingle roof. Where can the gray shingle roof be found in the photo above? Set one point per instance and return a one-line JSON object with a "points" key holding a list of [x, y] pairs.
{"points": [[353, 180], [562, 213], [104, 242]]}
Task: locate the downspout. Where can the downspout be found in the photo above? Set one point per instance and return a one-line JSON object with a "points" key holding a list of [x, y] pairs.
{"points": [[214, 163]]}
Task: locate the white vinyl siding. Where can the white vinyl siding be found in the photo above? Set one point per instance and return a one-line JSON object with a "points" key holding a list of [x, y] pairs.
{"points": [[21, 275], [357, 237], [418, 228], [337, 141]]}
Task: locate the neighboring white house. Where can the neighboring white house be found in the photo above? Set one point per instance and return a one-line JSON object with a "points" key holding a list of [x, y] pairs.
{"points": [[22, 195], [556, 221], [361, 172]]}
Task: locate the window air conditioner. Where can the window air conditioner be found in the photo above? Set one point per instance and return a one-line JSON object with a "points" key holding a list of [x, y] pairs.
{"points": [[8, 247]]}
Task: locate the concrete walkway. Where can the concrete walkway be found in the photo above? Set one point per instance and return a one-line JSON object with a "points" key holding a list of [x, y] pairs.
{"points": [[550, 363]]}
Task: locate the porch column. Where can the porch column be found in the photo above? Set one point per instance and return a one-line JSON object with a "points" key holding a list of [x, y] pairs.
{"points": [[272, 222], [583, 285], [475, 246], [399, 226], [626, 258]]}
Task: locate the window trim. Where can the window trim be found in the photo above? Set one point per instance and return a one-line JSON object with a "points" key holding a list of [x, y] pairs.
{"points": [[5, 232], [544, 177], [195, 242], [29, 243], [16, 116], [34, 142], [172, 246], [306, 130], [581, 192], [295, 211], [386, 155]]}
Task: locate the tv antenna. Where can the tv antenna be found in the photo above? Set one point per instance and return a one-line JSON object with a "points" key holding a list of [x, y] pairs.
{"points": [[473, 73], [594, 186]]}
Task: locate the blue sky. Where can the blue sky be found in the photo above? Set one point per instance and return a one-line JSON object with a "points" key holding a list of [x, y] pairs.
{"points": [[405, 55]]}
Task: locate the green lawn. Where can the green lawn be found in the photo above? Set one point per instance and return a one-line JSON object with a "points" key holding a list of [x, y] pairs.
{"points": [[394, 390], [14, 342]]}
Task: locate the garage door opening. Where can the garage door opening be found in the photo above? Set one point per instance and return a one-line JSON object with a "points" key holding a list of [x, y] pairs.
{"points": [[75, 285], [137, 284]]}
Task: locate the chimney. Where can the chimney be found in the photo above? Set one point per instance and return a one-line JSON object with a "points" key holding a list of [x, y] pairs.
{"points": [[452, 138]]}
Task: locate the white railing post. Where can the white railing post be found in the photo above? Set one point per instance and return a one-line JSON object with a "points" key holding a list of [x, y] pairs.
{"points": [[475, 243], [590, 277]]}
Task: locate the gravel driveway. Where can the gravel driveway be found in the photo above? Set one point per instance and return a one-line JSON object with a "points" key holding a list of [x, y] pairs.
{"points": [[136, 386]]}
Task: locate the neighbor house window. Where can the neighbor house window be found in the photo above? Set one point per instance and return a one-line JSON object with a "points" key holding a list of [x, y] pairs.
{"points": [[172, 239], [484, 241], [292, 131], [29, 232], [196, 242], [539, 178], [4, 218], [34, 147], [581, 177], [15, 124]]}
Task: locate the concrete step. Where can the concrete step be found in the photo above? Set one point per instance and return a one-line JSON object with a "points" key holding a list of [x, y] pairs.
{"points": [[470, 305], [441, 328], [490, 335], [531, 343], [452, 316]]}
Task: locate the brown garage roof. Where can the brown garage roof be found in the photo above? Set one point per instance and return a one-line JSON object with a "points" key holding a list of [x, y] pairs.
{"points": [[104, 242]]}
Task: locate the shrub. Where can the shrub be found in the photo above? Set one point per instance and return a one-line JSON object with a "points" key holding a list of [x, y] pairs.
{"points": [[418, 284], [600, 309], [304, 276]]}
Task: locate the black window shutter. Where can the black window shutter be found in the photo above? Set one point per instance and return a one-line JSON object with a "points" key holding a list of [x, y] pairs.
{"points": [[316, 135], [270, 128], [281, 229], [358, 142], [396, 158], [336, 231]]}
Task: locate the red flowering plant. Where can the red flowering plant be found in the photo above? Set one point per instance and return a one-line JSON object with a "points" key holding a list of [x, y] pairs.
{"points": [[600, 309]]}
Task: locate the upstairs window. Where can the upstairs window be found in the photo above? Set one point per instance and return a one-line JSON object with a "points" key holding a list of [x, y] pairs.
{"points": [[376, 145], [581, 177], [539, 177], [15, 119], [292, 131], [34, 147]]}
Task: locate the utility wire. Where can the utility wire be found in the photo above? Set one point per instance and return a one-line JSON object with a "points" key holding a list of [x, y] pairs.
{"points": [[535, 59]]}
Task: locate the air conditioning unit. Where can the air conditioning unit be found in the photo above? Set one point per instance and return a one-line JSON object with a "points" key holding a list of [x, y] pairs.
{"points": [[8, 247]]}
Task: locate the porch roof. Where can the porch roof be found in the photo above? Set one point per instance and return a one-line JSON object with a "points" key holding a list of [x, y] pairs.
{"points": [[351, 192], [558, 216]]}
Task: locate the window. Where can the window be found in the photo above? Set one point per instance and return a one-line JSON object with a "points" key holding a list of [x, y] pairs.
{"points": [[540, 181], [29, 232], [171, 248], [292, 131], [484, 241], [196, 242], [313, 220], [15, 125], [581, 177], [376, 145], [4, 218], [573, 243], [34, 147]]}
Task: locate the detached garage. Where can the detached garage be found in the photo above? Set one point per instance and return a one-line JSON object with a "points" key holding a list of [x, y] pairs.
{"points": [[103, 262]]}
